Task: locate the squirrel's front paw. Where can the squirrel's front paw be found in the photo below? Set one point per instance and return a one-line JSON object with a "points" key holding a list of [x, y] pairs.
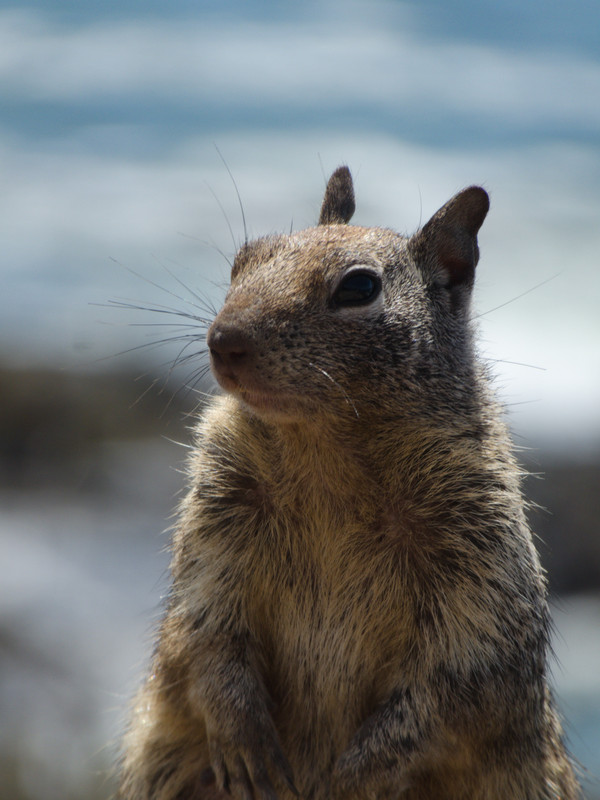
{"points": [[249, 765]]}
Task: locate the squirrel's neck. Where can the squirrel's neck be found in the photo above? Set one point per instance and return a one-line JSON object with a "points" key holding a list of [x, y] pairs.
{"points": [[389, 454]]}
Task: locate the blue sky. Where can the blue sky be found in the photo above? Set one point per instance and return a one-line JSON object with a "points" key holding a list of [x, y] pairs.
{"points": [[109, 119]]}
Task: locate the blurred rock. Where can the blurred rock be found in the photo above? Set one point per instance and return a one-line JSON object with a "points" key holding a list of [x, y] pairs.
{"points": [[53, 424], [566, 519]]}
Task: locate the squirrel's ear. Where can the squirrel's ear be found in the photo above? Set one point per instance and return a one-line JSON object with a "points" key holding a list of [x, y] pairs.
{"points": [[338, 203], [448, 242]]}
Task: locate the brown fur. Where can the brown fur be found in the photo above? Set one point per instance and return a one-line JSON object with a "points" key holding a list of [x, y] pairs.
{"points": [[357, 608]]}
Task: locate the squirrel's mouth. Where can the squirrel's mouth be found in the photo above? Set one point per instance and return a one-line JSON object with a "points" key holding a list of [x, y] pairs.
{"points": [[265, 401], [268, 403]]}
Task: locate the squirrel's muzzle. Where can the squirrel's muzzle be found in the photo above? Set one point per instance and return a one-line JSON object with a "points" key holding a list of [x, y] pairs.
{"points": [[231, 350]]}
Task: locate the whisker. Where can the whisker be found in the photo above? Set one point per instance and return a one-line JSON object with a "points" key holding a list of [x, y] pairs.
{"points": [[523, 402], [155, 309], [182, 330], [237, 193], [201, 302], [190, 384], [516, 363], [148, 388], [194, 378], [218, 202], [148, 280], [148, 346], [337, 385], [179, 358], [176, 327], [518, 297], [212, 245], [185, 359], [322, 168]]}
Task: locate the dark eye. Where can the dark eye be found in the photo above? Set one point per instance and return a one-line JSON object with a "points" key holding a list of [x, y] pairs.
{"points": [[357, 288]]}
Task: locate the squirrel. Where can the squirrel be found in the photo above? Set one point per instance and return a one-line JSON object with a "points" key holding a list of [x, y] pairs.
{"points": [[357, 608]]}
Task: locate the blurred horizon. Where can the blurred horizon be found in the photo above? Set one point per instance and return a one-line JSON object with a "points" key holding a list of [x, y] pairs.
{"points": [[108, 134]]}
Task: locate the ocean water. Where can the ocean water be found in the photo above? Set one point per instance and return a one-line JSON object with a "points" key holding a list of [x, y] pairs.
{"points": [[81, 580]]}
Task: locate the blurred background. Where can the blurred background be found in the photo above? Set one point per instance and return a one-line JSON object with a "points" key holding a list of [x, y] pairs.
{"points": [[115, 199]]}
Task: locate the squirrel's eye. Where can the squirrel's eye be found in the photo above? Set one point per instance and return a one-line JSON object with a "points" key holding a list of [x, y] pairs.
{"points": [[357, 288]]}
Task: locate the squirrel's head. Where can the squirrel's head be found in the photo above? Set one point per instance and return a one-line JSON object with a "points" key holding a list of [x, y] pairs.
{"points": [[344, 319]]}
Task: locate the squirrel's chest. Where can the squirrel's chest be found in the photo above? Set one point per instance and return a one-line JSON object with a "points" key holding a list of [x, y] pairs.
{"points": [[328, 592]]}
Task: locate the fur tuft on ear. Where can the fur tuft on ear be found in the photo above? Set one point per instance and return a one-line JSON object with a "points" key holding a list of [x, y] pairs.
{"points": [[449, 239], [338, 203]]}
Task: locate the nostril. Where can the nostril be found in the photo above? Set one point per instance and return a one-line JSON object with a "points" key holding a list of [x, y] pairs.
{"points": [[215, 355]]}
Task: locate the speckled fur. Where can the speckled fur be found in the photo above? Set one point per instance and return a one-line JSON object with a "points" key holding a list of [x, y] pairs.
{"points": [[357, 609]]}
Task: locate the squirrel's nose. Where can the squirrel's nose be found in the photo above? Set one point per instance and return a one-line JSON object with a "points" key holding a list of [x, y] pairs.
{"points": [[230, 347]]}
